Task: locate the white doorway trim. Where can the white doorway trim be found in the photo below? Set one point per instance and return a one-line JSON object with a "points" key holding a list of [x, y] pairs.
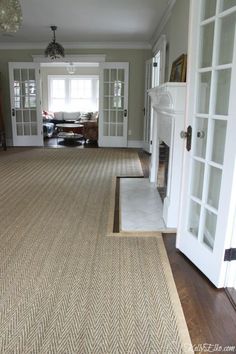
{"points": [[82, 58]]}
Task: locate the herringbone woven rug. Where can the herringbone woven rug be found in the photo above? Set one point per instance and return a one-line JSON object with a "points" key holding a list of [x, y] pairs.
{"points": [[67, 288]]}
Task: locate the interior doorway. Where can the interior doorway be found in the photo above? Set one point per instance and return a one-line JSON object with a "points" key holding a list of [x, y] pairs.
{"points": [[70, 103]]}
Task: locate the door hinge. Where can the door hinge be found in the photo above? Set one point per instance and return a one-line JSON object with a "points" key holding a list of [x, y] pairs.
{"points": [[150, 142], [155, 65], [230, 255]]}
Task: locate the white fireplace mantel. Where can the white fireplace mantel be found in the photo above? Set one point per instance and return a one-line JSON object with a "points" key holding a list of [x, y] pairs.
{"points": [[168, 102]]}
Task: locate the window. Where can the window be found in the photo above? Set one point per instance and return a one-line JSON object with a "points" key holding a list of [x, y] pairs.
{"points": [[70, 94]]}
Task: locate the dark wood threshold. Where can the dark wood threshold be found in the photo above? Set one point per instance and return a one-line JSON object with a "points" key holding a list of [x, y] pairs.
{"points": [[116, 224]]}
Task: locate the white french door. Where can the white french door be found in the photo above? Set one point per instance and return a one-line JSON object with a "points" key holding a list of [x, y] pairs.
{"points": [[27, 129], [148, 111], [209, 176], [113, 107]]}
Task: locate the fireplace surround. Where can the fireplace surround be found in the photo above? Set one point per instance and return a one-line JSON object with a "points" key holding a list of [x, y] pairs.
{"points": [[168, 102]]}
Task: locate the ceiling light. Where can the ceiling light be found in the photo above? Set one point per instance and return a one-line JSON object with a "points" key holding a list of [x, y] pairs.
{"points": [[10, 15], [54, 50], [71, 69]]}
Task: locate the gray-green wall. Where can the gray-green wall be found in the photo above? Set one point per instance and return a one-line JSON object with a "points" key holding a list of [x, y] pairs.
{"points": [[136, 59], [176, 31]]}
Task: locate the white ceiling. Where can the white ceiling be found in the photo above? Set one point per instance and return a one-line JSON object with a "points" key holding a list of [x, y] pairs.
{"points": [[113, 21]]}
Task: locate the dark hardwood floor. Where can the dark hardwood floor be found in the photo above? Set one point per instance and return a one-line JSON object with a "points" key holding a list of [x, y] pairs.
{"points": [[61, 143], [210, 316]]}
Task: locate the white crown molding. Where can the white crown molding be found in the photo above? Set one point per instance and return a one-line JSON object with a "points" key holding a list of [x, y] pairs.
{"points": [[79, 45], [81, 58], [161, 25]]}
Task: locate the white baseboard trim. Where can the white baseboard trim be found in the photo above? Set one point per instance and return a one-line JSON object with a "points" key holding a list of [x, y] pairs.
{"points": [[135, 144]]}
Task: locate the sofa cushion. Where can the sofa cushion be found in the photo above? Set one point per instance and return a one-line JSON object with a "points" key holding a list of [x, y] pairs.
{"points": [[58, 115], [71, 115]]}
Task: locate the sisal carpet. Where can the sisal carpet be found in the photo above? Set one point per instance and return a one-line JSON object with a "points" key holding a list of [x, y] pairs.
{"points": [[67, 288]]}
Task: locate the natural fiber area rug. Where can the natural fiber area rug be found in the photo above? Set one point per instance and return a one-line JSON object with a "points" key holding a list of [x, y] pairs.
{"points": [[66, 287]]}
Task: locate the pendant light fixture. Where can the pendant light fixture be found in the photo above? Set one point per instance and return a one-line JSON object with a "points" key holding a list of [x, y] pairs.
{"points": [[54, 50], [10, 15], [71, 69]]}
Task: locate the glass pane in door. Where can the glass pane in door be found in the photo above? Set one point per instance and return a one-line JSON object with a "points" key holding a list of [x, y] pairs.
{"points": [[222, 91], [218, 147], [227, 37], [194, 218], [227, 4], [209, 229], [214, 187], [120, 130], [197, 182], [209, 9], [207, 37], [204, 92]]}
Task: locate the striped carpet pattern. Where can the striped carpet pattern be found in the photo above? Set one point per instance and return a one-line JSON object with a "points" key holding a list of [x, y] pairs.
{"points": [[65, 287]]}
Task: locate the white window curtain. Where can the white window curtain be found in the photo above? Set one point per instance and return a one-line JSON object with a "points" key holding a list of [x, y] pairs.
{"points": [[71, 94]]}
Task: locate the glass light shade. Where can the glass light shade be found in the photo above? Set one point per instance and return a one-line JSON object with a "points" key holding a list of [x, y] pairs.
{"points": [[71, 69], [10, 15], [54, 50]]}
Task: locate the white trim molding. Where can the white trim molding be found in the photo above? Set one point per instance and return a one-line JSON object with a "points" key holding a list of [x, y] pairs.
{"points": [[79, 45], [162, 23], [82, 58]]}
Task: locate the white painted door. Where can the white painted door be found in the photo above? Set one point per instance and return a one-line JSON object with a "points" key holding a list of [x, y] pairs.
{"points": [[148, 111], [27, 129], [113, 107], [209, 177]]}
